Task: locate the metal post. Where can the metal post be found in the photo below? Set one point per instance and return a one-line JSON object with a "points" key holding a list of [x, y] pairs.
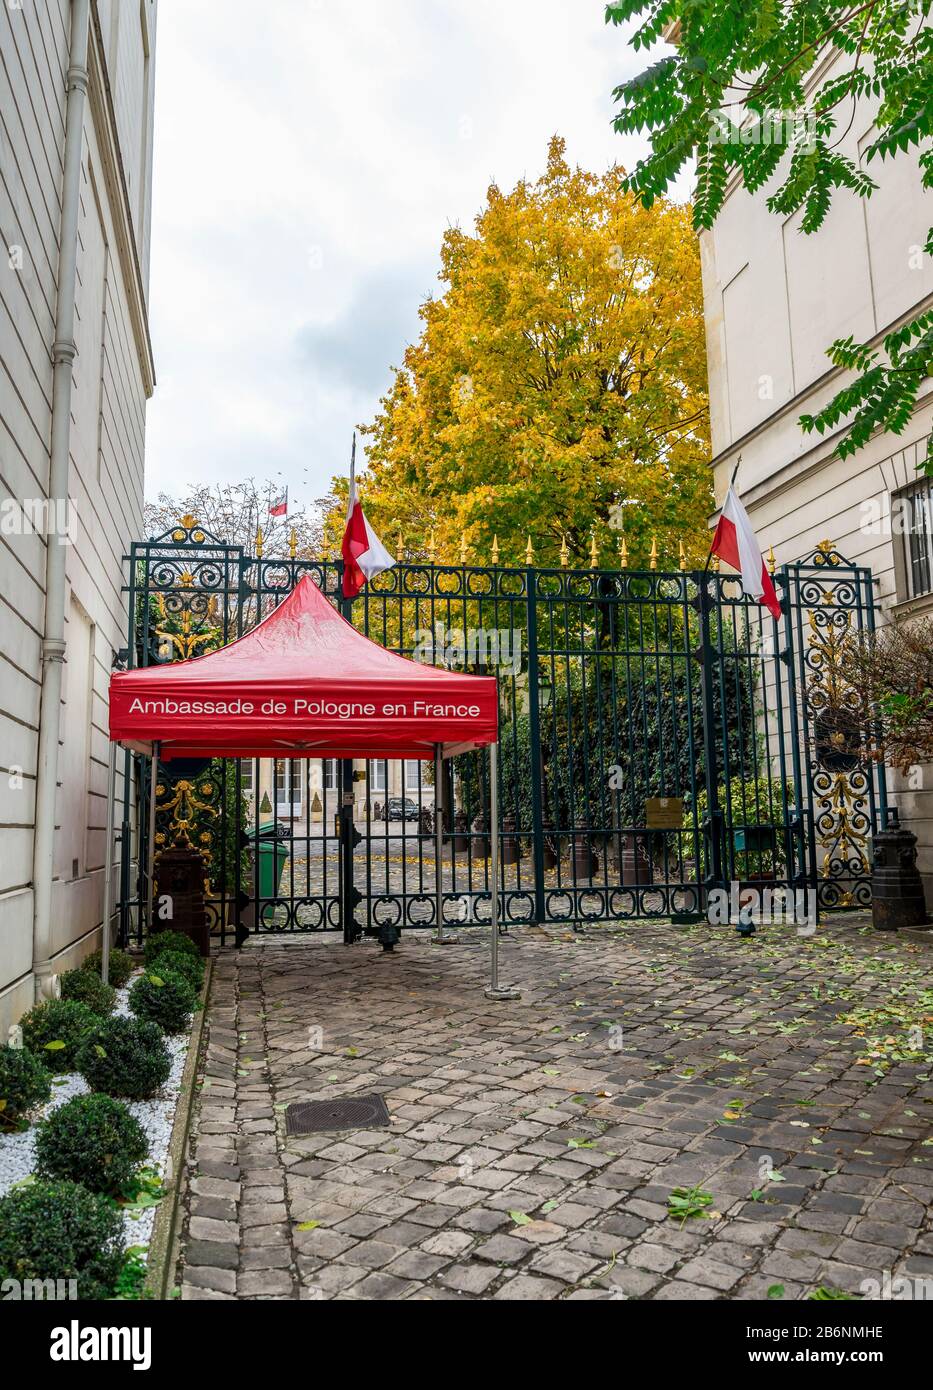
{"points": [[108, 869], [440, 939], [153, 783], [715, 868], [537, 753], [495, 991]]}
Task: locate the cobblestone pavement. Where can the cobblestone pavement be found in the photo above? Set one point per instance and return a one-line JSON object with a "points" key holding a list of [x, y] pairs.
{"points": [[534, 1144]]}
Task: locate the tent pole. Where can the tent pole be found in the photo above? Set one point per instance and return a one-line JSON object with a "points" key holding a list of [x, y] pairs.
{"points": [[108, 869], [153, 782], [439, 938], [495, 990]]}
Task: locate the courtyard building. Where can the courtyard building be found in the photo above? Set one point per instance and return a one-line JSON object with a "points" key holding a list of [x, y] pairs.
{"points": [[775, 300], [76, 103]]}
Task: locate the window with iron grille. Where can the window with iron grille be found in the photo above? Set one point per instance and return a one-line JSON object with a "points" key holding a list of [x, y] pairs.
{"points": [[916, 518]]}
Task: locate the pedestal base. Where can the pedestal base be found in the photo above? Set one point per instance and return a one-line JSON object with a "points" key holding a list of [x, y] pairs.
{"points": [[503, 993]]}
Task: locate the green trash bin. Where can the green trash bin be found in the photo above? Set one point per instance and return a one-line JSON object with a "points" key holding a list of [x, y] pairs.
{"points": [[273, 856]]}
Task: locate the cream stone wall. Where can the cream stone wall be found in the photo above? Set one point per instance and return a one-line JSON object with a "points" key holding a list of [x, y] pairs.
{"points": [[775, 299], [112, 380]]}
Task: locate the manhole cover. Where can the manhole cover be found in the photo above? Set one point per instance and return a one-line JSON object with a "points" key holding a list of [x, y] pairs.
{"points": [[357, 1112]]}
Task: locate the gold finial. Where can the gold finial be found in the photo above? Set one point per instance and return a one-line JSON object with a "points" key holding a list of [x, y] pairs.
{"points": [[189, 522], [623, 554], [683, 556], [594, 553], [716, 565], [495, 550], [293, 544], [464, 549], [432, 550], [564, 555], [529, 553], [400, 550], [259, 542], [772, 563], [654, 553]]}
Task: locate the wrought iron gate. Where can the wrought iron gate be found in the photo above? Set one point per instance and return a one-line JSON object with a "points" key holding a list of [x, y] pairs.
{"points": [[661, 736]]}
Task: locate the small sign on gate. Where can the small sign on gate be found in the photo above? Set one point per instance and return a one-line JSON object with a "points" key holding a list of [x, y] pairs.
{"points": [[664, 812]]}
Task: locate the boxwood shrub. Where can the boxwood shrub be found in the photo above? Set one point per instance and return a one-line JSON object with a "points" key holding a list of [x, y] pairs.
{"points": [[169, 941], [163, 997], [60, 1231], [24, 1083], [89, 989], [93, 1140], [125, 1057], [190, 968], [55, 1029], [121, 966]]}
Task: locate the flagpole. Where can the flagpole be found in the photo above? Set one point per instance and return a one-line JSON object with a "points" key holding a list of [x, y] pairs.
{"points": [[351, 929]]}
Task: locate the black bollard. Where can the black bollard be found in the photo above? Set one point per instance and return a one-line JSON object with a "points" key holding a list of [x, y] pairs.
{"points": [[896, 886]]}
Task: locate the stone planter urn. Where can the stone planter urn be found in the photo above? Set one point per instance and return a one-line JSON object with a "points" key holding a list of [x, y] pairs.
{"points": [[511, 845], [461, 833]]}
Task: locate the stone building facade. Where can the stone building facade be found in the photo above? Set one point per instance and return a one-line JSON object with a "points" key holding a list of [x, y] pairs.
{"points": [[775, 300], [76, 371]]}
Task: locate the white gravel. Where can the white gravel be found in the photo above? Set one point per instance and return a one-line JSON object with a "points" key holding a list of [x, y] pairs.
{"points": [[17, 1151]]}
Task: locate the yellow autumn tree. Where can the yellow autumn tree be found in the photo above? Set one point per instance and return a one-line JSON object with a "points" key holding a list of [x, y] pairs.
{"points": [[558, 389]]}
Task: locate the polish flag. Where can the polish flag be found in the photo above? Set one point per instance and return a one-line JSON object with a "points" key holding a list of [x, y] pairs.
{"points": [[364, 555], [735, 542], [279, 505]]}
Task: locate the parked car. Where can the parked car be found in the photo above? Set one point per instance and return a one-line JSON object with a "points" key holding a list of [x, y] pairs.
{"points": [[401, 808]]}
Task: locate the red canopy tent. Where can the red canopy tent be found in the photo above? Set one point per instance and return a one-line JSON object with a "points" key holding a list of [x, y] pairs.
{"points": [[304, 683]]}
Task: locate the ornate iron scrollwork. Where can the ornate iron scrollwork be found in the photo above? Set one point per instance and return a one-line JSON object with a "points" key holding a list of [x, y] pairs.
{"points": [[840, 778]]}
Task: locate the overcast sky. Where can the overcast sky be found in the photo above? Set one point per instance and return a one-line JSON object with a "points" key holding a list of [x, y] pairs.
{"points": [[308, 156]]}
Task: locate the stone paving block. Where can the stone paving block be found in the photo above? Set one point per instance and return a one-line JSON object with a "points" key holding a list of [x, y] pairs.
{"points": [[526, 1288], [564, 1265], [371, 1254], [417, 1265], [680, 1289], [262, 1283], [191, 1293], [504, 1250], [266, 1257], [203, 1277], [214, 1208], [212, 1254], [262, 1214], [708, 1271]]}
